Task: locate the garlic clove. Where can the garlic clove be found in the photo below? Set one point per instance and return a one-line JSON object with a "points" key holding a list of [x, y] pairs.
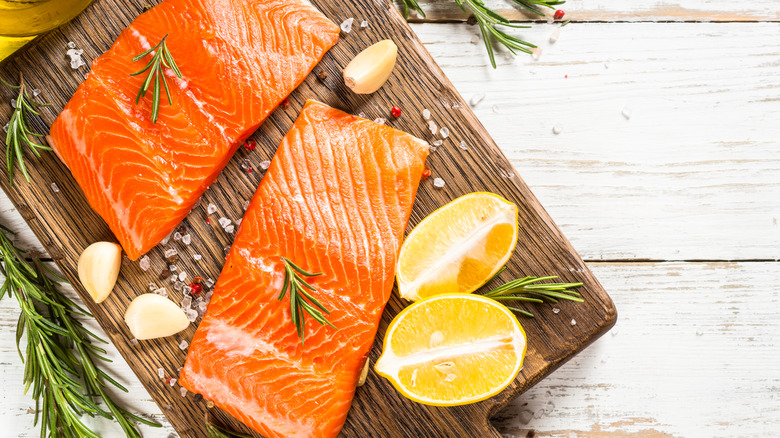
{"points": [[371, 68], [152, 316], [364, 373], [98, 269]]}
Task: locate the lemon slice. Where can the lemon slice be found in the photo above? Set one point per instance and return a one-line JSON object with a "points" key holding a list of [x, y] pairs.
{"points": [[457, 248], [452, 350]]}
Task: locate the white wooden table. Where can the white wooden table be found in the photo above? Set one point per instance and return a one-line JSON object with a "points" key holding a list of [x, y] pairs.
{"points": [[666, 177]]}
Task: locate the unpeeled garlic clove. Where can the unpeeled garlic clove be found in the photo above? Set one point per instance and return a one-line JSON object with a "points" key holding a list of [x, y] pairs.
{"points": [[371, 68], [152, 316], [363, 374], [98, 269]]}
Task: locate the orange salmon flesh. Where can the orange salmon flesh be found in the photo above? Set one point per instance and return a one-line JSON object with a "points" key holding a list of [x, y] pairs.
{"points": [[239, 60], [335, 200]]}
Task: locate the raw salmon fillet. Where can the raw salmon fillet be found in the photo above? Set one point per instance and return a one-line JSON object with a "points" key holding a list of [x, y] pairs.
{"points": [[335, 200], [239, 59]]}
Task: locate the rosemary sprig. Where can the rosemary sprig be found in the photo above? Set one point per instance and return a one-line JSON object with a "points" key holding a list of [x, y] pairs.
{"points": [[161, 58], [301, 301], [60, 356], [491, 22], [19, 133], [530, 289]]}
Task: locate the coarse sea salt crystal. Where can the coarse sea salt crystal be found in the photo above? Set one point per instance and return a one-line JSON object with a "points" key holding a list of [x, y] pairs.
{"points": [[145, 263], [170, 252], [556, 129], [362, 115], [209, 282], [152, 287], [444, 132], [426, 113], [36, 92], [183, 391], [238, 221], [71, 45], [573, 322], [346, 25], [172, 382], [161, 373], [75, 58], [463, 146], [173, 268], [432, 127], [380, 120], [211, 209], [203, 306], [162, 291], [223, 222], [264, 165], [192, 315], [186, 302], [183, 345], [182, 275], [178, 286], [134, 341], [230, 228], [246, 204], [556, 310], [476, 99], [363, 24], [55, 188], [555, 35], [186, 239], [536, 52], [176, 236], [197, 257], [626, 112], [437, 143], [438, 183]]}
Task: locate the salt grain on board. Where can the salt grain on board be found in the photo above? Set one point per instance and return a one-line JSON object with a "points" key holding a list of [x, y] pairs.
{"points": [[75, 58], [186, 239], [162, 292], [197, 257], [264, 165], [183, 391], [444, 132], [380, 120], [192, 315], [536, 52], [210, 282], [145, 263], [170, 252], [555, 35], [161, 373], [172, 382], [438, 183], [556, 129], [463, 146], [556, 310], [55, 188], [476, 99], [426, 113], [230, 229], [71, 45], [432, 127], [183, 345], [224, 222], [626, 112], [573, 322], [211, 209], [176, 236], [363, 24], [346, 25], [186, 302], [437, 143], [182, 276]]}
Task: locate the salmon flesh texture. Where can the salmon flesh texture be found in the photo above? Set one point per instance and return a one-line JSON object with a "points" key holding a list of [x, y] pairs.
{"points": [[335, 200], [239, 60]]}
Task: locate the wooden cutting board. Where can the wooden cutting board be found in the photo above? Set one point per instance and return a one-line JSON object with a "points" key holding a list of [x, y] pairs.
{"points": [[65, 224]]}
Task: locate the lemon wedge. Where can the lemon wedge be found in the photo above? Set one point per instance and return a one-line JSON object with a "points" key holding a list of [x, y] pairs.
{"points": [[457, 248], [452, 350]]}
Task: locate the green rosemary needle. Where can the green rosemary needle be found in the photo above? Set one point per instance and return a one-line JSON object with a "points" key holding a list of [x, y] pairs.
{"points": [[19, 133], [162, 58], [529, 289], [60, 359], [301, 301]]}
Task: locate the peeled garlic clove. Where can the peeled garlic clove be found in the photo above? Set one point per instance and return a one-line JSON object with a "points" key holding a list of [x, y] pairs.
{"points": [[98, 269], [363, 374], [371, 68], [152, 316]]}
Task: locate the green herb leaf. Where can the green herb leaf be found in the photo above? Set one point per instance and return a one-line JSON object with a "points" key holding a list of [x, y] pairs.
{"points": [[60, 359], [530, 289], [162, 58], [301, 301]]}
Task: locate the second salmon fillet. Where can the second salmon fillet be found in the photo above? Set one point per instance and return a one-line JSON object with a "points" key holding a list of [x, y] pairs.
{"points": [[239, 59], [335, 200]]}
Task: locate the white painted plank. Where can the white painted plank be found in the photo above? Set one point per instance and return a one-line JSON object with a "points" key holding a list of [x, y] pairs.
{"points": [[694, 354], [692, 171], [640, 10]]}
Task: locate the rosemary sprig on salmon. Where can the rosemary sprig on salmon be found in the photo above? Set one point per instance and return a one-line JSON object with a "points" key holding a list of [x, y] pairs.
{"points": [[301, 301], [162, 57]]}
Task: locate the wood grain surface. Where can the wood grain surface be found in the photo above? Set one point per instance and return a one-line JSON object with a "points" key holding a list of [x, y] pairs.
{"points": [[65, 225]]}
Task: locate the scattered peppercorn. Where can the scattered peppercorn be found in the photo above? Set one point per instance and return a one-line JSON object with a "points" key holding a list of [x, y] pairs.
{"points": [[285, 103], [208, 221], [195, 289], [426, 173], [559, 14], [198, 398], [168, 380], [395, 111], [250, 144], [172, 260], [472, 20], [321, 74], [165, 274], [197, 280]]}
